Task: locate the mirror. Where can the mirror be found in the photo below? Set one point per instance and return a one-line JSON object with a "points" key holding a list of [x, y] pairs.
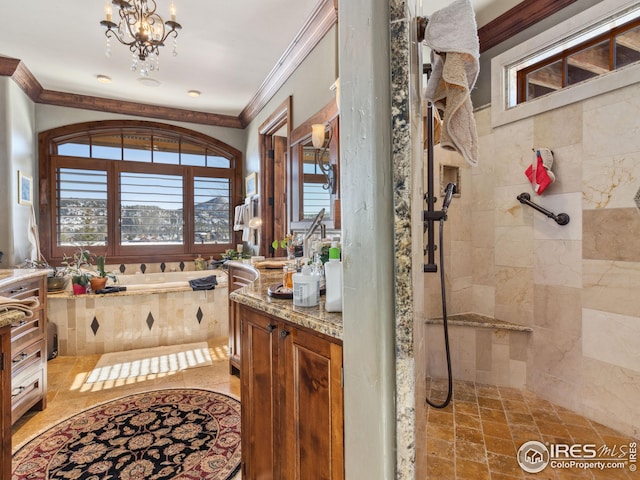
{"points": [[314, 181]]}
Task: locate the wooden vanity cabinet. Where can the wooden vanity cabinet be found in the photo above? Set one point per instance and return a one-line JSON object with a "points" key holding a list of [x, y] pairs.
{"points": [[28, 357], [5, 403], [292, 400], [239, 275]]}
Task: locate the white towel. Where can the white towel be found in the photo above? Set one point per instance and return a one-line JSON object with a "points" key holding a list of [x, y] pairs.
{"points": [[238, 218], [246, 216], [34, 237], [452, 35], [26, 305]]}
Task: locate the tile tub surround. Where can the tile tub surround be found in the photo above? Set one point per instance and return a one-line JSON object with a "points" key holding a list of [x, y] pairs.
{"points": [[317, 319], [89, 324]]}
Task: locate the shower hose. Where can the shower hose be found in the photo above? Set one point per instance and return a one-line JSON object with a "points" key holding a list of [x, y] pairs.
{"points": [[445, 326]]}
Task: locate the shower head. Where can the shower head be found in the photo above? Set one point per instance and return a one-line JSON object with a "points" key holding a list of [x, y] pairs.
{"points": [[449, 190]]}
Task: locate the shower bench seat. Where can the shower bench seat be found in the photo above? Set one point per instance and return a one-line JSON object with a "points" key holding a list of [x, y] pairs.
{"points": [[480, 321], [483, 349]]}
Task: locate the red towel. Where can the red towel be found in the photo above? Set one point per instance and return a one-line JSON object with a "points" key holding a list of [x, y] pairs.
{"points": [[542, 177]]}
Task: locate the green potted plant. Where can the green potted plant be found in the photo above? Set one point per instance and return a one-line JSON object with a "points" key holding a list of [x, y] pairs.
{"points": [[77, 267], [99, 281]]}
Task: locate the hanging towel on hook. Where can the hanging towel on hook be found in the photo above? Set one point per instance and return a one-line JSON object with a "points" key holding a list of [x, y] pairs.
{"points": [[452, 35]]}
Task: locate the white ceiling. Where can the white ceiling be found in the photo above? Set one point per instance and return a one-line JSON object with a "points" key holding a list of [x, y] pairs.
{"points": [[226, 49]]}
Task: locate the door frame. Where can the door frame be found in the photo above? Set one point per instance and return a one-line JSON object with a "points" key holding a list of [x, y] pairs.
{"points": [[274, 226]]}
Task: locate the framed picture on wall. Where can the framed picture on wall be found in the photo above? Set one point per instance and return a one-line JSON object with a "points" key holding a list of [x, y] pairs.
{"points": [[25, 189], [251, 184]]}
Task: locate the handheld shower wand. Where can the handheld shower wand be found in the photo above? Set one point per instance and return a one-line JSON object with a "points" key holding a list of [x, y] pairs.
{"points": [[441, 216], [449, 190]]}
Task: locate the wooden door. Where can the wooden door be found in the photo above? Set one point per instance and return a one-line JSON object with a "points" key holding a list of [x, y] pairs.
{"points": [[313, 416], [259, 391]]}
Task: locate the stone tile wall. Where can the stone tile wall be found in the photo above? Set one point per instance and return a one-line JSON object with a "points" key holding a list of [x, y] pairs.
{"points": [[577, 285]]}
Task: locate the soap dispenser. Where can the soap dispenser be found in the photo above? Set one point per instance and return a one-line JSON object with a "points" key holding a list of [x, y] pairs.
{"points": [[306, 288], [333, 279]]}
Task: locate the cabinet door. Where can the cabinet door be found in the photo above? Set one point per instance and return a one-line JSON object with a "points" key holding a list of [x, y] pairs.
{"points": [[313, 415], [238, 276], [5, 403], [259, 393], [234, 338]]}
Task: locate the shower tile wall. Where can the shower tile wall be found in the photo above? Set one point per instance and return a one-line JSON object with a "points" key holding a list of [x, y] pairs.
{"points": [[576, 285]]}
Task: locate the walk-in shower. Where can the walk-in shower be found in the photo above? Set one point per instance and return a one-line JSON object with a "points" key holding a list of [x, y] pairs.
{"points": [[451, 34]]}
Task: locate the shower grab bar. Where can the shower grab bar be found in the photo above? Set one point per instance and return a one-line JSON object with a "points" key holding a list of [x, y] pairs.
{"points": [[560, 219]]}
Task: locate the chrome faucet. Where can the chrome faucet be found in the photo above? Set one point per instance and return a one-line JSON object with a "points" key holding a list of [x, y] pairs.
{"points": [[317, 222]]}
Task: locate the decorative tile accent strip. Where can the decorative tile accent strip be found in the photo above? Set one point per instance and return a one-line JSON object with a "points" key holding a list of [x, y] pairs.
{"points": [[143, 268], [199, 315], [95, 325], [150, 320]]}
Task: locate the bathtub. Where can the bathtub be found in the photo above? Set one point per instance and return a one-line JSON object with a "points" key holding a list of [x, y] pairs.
{"points": [[156, 309], [165, 281]]}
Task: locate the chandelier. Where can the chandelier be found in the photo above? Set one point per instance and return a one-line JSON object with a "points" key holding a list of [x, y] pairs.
{"points": [[142, 30]]}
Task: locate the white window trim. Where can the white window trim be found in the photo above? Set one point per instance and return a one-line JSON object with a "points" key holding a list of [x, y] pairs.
{"points": [[500, 64]]}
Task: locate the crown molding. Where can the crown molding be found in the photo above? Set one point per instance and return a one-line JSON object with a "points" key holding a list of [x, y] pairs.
{"points": [[324, 17], [519, 18], [86, 102], [22, 76]]}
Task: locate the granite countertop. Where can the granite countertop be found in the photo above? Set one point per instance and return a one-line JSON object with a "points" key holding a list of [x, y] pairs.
{"points": [[9, 276], [314, 318]]}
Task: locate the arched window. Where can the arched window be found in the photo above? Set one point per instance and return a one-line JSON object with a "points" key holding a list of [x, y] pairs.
{"points": [[136, 190]]}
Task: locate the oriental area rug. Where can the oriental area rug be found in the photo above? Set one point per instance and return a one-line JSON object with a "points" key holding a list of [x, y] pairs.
{"points": [[181, 434]]}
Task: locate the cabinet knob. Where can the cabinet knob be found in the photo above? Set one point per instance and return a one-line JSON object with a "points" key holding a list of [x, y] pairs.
{"points": [[271, 328], [284, 334]]}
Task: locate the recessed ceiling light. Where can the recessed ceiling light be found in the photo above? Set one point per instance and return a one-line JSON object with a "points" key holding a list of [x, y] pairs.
{"points": [[193, 93], [103, 79], [148, 81]]}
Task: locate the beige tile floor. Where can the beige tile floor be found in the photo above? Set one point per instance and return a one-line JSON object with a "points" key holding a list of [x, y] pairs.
{"points": [[67, 393], [477, 436]]}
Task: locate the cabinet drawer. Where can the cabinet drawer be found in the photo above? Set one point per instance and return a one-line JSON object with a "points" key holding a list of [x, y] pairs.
{"points": [[26, 331], [23, 359], [22, 290], [26, 389]]}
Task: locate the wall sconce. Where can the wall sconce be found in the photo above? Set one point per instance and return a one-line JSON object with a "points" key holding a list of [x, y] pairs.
{"points": [[321, 145]]}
